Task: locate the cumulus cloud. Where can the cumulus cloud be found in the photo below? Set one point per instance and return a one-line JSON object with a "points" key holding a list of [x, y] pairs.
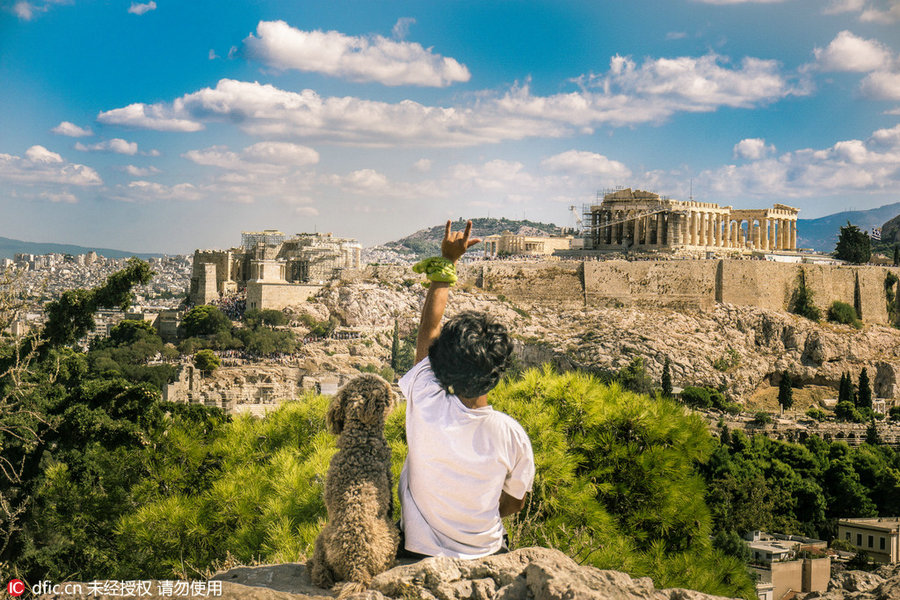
{"points": [[753, 149], [881, 85], [117, 145], [372, 58], [140, 9], [262, 157], [149, 116], [848, 52], [40, 165], [71, 130], [423, 165], [585, 163], [847, 166], [59, 197], [401, 28], [135, 171], [627, 94], [149, 190]]}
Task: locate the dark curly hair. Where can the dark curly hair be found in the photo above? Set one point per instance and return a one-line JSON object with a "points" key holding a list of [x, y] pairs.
{"points": [[470, 354]]}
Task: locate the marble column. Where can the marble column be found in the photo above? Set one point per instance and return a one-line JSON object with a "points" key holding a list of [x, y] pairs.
{"points": [[793, 235], [719, 225]]}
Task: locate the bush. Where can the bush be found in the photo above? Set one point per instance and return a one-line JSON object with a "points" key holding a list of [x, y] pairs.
{"points": [[206, 361], [895, 413], [204, 320], [616, 486], [703, 397], [761, 418], [843, 313], [816, 414], [729, 360], [846, 411]]}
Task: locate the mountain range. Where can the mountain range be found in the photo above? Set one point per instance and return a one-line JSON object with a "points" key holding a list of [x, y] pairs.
{"points": [[10, 247], [822, 234]]}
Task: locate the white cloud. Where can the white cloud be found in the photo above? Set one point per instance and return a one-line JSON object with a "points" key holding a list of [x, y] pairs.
{"points": [[627, 95], [847, 166], [148, 190], [60, 197], [149, 116], [140, 9], [140, 171], [843, 6], [586, 163], [373, 58], [881, 85], [26, 11], [212, 54], [753, 149], [423, 165], [676, 35], [848, 52], [117, 145], [886, 16], [307, 211], [263, 157], [401, 28], [41, 166], [71, 130]]}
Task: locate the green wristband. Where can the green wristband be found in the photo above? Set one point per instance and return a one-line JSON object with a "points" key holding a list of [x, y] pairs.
{"points": [[436, 268]]}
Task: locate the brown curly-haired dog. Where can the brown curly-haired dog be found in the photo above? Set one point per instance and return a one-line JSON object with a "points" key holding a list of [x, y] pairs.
{"points": [[360, 539]]}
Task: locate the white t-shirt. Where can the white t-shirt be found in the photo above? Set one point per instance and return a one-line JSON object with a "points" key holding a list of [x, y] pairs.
{"points": [[459, 460]]}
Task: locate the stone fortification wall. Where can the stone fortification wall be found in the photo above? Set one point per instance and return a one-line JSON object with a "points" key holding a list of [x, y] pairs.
{"points": [[559, 283], [673, 284], [684, 283], [262, 295]]}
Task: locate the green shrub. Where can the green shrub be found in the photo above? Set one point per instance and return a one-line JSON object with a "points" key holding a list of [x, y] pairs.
{"points": [[895, 413], [705, 397], [729, 360], [616, 486], [816, 414], [846, 411], [841, 312], [802, 302], [761, 418]]}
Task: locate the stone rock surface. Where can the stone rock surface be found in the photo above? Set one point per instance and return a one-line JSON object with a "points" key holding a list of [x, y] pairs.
{"points": [[882, 584], [527, 573]]}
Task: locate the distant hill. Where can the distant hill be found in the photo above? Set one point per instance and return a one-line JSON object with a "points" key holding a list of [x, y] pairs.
{"points": [[427, 242], [9, 247], [822, 233]]}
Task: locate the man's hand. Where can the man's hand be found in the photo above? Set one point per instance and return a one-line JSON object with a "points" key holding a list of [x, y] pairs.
{"points": [[510, 505], [456, 243]]}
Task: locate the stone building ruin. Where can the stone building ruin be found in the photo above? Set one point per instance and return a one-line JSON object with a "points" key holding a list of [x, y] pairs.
{"points": [[629, 219], [274, 270]]}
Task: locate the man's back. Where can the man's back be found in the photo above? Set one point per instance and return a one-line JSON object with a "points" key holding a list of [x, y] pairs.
{"points": [[459, 461]]}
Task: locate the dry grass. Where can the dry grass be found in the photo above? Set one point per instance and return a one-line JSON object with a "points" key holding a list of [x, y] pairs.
{"points": [[766, 398]]}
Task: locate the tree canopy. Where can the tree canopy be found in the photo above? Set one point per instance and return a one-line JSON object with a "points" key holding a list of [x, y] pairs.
{"points": [[853, 245]]}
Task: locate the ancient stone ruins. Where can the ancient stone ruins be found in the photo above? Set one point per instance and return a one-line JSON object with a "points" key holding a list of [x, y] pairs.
{"points": [[636, 219]]}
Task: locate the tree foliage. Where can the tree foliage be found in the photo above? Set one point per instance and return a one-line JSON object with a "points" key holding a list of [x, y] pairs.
{"points": [[853, 245], [71, 317], [864, 390], [802, 302], [785, 392], [206, 360], [205, 320], [666, 382], [841, 312]]}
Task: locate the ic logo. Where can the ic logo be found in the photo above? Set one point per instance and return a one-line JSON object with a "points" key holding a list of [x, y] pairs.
{"points": [[15, 587]]}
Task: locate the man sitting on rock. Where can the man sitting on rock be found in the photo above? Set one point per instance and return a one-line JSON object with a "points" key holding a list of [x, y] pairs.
{"points": [[468, 465]]}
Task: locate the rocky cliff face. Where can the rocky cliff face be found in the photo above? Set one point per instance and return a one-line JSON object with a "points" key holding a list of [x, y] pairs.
{"points": [[882, 584], [737, 348]]}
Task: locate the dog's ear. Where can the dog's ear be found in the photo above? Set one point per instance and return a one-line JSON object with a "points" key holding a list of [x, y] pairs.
{"points": [[334, 418], [377, 399]]}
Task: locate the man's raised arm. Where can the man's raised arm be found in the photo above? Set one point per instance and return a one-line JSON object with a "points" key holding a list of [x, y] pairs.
{"points": [[453, 246]]}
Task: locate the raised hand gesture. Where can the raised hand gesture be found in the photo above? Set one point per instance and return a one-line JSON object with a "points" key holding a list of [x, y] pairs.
{"points": [[455, 243]]}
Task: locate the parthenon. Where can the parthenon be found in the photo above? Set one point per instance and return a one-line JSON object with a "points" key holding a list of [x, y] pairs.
{"points": [[635, 219]]}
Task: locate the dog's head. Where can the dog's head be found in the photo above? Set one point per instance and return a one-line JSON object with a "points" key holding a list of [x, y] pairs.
{"points": [[365, 400]]}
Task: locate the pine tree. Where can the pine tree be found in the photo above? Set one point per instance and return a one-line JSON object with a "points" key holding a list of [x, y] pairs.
{"points": [[896, 255], [785, 393], [857, 298], [667, 379], [853, 245], [864, 395], [843, 396]]}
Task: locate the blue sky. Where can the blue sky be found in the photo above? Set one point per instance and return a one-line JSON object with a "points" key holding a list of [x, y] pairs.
{"points": [[167, 126]]}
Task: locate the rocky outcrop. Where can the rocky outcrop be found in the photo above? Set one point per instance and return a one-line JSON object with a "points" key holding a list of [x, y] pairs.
{"points": [[528, 573], [882, 584]]}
